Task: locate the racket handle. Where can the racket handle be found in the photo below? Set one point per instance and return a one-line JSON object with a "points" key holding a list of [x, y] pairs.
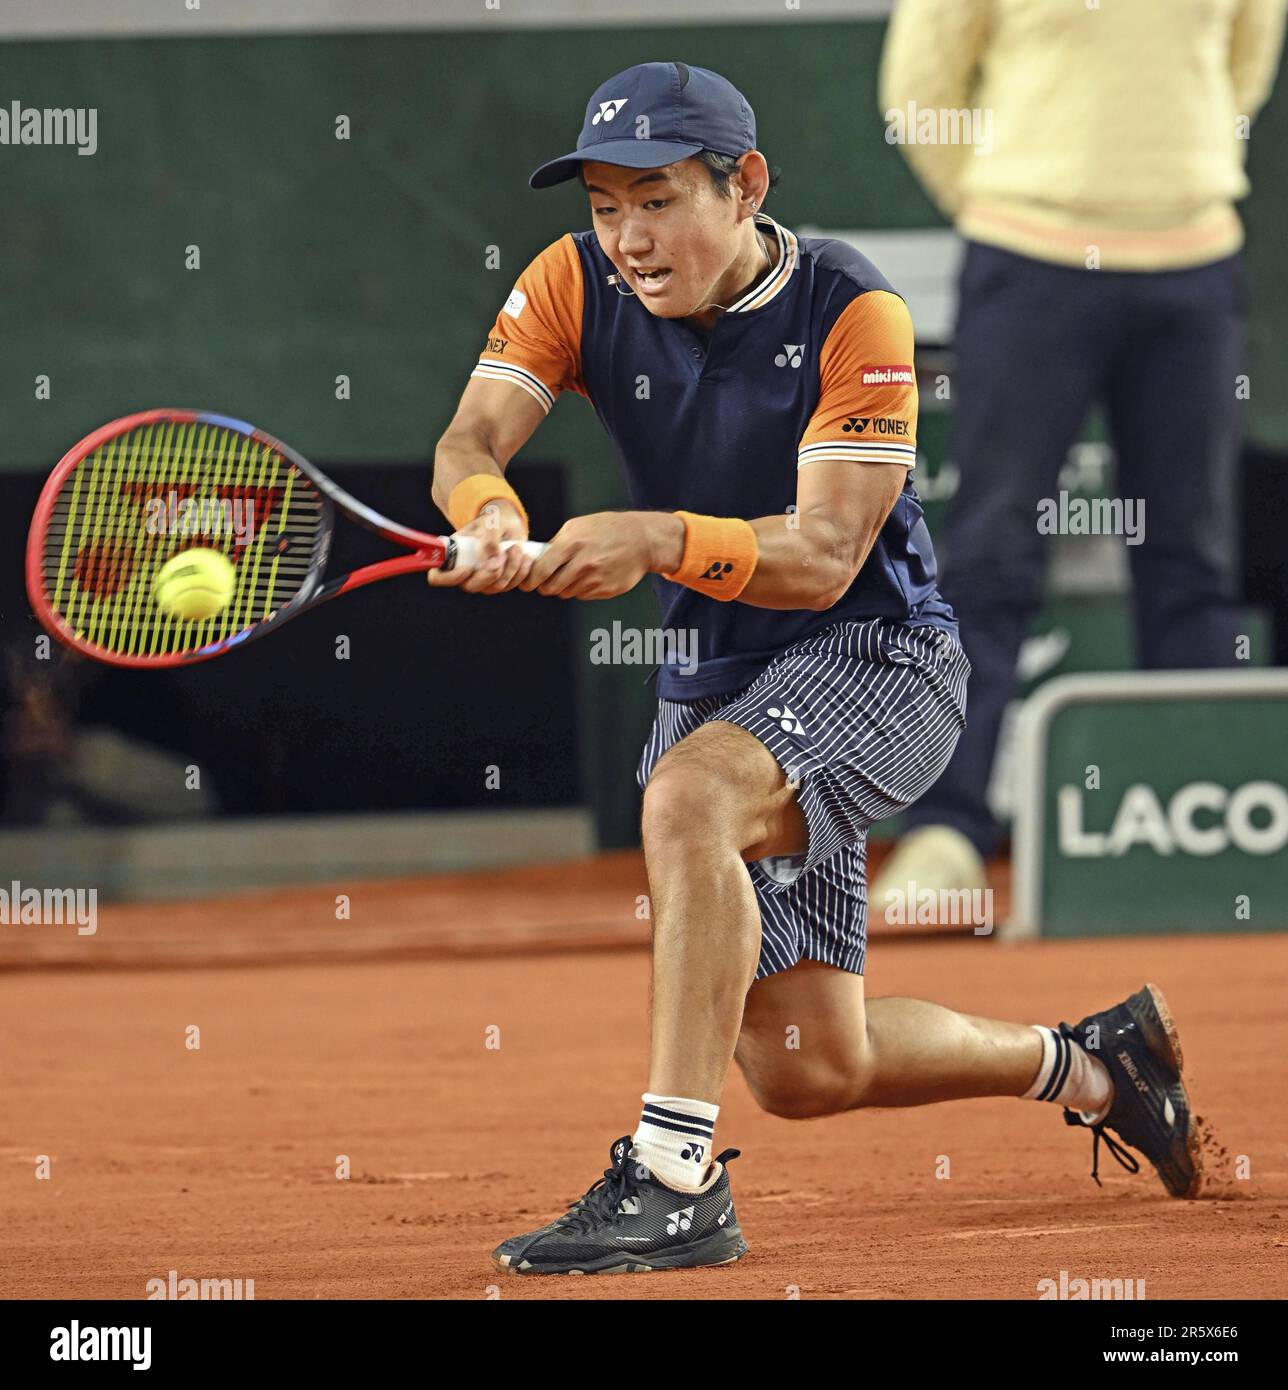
{"points": [[463, 551]]}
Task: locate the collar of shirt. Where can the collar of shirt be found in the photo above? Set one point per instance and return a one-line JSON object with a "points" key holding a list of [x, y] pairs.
{"points": [[758, 295]]}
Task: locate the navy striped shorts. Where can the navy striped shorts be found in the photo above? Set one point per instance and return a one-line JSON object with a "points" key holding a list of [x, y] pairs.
{"points": [[863, 716]]}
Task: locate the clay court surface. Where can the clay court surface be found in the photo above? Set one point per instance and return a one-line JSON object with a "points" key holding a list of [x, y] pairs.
{"points": [[222, 1162]]}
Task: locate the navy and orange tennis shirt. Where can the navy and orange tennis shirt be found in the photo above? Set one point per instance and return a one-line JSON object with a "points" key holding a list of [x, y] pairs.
{"points": [[815, 362]]}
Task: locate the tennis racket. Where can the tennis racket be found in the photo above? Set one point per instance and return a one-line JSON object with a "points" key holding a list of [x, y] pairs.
{"points": [[146, 487]]}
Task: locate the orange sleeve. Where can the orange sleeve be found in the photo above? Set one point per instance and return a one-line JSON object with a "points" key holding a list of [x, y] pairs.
{"points": [[867, 400], [535, 342]]}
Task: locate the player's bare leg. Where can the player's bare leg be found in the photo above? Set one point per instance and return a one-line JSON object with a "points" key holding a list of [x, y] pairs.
{"points": [[884, 1052], [712, 796], [717, 799], [1119, 1069]]}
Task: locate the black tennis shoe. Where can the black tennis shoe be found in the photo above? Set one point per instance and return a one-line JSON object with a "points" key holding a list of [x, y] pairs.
{"points": [[1137, 1041], [629, 1223]]}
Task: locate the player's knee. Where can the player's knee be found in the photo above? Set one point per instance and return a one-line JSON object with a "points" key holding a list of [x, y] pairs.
{"points": [[798, 1101], [683, 803], [806, 1090]]}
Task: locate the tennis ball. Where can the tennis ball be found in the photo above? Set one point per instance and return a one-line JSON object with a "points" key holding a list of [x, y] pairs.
{"points": [[194, 584]]}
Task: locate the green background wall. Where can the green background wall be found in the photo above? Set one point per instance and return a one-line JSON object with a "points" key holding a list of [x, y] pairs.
{"points": [[367, 257]]}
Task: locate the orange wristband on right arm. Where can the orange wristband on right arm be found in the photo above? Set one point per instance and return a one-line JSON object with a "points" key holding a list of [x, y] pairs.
{"points": [[720, 555], [472, 494]]}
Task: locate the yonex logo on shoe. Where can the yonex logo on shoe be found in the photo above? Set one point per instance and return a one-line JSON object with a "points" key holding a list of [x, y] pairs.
{"points": [[1130, 1068], [608, 109], [677, 1221], [787, 721], [693, 1151]]}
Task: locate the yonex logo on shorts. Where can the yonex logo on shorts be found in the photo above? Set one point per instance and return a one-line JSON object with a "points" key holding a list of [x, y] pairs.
{"points": [[787, 721], [887, 376]]}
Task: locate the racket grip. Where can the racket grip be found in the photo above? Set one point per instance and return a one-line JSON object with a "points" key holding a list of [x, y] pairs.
{"points": [[463, 551]]}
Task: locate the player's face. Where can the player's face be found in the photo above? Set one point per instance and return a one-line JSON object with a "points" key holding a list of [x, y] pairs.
{"points": [[672, 221]]}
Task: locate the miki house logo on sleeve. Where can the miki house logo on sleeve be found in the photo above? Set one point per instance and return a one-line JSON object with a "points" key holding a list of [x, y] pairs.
{"points": [[901, 375]]}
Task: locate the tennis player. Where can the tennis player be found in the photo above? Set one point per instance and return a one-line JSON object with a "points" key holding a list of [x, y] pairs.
{"points": [[759, 391]]}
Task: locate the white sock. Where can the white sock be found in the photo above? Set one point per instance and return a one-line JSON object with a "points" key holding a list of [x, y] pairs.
{"points": [[674, 1139], [1071, 1076]]}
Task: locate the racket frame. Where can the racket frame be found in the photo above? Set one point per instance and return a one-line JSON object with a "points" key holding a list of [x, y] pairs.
{"points": [[429, 552]]}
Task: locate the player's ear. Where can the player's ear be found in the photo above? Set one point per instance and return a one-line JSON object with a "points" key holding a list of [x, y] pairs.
{"points": [[752, 175]]}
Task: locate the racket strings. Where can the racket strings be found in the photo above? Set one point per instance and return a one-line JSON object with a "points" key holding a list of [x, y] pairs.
{"points": [[157, 490]]}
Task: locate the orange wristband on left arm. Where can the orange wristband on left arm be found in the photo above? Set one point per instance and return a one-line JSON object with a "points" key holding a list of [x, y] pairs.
{"points": [[472, 494], [720, 554]]}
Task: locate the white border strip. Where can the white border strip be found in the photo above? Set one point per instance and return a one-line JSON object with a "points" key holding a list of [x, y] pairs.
{"points": [[1033, 727], [133, 19]]}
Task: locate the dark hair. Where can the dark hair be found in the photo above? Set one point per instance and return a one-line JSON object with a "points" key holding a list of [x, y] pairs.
{"points": [[721, 166]]}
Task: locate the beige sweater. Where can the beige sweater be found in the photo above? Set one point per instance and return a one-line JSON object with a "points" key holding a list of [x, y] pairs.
{"points": [[1110, 134]]}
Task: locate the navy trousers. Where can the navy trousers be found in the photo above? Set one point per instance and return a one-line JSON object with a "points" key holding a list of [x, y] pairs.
{"points": [[1037, 346]]}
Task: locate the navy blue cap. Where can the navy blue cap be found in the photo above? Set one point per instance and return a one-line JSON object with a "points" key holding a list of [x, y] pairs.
{"points": [[685, 110]]}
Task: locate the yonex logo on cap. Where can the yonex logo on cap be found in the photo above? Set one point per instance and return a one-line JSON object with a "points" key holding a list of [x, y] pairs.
{"points": [[608, 109]]}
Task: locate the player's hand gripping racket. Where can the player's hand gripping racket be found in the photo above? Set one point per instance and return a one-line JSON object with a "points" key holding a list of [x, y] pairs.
{"points": [[147, 487]]}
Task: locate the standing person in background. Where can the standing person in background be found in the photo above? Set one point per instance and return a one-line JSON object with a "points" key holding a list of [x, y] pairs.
{"points": [[1102, 266]]}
